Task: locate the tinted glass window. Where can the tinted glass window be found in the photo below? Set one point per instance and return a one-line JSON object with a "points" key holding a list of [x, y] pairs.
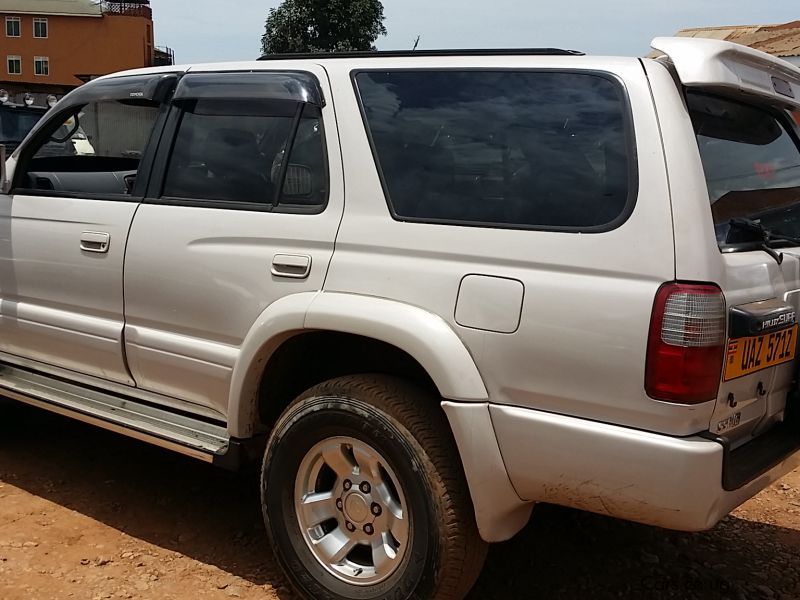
{"points": [[751, 163], [234, 152], [97, 149], [519, 149]]}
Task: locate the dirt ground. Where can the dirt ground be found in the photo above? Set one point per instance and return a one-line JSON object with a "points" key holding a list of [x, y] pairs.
{"points": [[86, 514]]}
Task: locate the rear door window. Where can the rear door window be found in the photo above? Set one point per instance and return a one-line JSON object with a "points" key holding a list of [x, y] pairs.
{"points": [[523, 149], [235, 153], [751, 162]]}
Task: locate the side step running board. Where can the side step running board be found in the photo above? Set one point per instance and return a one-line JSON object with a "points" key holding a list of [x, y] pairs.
{"points": [[192, 437]]}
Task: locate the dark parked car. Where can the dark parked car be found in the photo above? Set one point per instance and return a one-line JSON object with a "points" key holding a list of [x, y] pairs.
{"points": [[16, 120]]}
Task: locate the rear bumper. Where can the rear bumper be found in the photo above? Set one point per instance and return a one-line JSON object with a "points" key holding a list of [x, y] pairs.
{"points": [[635, 475]]}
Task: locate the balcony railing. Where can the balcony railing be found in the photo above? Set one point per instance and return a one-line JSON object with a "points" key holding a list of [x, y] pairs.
{"points": [[163, 56], [128, 9]]}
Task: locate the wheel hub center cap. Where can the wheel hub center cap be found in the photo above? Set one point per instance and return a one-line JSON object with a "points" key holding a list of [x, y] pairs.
{"points": [[356, 508]]}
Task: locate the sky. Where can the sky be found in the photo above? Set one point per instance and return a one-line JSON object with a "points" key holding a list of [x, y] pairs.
{"points": [[219, 30]]}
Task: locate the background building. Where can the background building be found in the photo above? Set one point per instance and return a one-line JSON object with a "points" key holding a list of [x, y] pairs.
{"points": [[53, 46], [778, 40]]}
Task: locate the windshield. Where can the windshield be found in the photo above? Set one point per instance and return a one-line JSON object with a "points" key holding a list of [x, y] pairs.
{"points": [[15, 124], [751, 163]]}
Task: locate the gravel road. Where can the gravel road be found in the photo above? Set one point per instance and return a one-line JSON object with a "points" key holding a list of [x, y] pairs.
{"points": [[90, 515]]}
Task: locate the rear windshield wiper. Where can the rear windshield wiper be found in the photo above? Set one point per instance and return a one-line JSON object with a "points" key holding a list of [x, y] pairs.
{"points": [[761, 234]]}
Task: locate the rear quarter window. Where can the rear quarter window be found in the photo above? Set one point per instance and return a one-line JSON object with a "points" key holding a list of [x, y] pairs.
{"points": [[520, 149]]}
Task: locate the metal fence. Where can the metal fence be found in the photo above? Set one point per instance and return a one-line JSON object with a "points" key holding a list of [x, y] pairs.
{"points": [[129, 9]]}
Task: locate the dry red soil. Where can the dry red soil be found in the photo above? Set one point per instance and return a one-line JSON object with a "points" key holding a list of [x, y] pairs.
{"points": [[87, 514]]}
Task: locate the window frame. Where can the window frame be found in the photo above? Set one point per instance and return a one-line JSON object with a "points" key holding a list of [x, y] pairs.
{"points": [[18, 21], [164, 154], [41, 60], [18, 59], [39, 21], [629, 134]]}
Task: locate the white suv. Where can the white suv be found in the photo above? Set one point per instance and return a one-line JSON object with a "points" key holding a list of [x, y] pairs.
{"points": [[430, 289]]}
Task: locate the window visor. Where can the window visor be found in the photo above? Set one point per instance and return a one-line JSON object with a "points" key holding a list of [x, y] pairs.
{"points": [[287, 85]]}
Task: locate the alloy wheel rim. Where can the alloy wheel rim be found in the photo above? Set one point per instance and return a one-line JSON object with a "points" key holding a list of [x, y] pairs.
{"points": [[352, 511]]}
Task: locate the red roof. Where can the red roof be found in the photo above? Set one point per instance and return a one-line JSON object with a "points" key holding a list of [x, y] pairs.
{"points": [[778, 40]]}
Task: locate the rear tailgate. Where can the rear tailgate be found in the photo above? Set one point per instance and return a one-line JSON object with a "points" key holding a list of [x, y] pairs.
{"points": [[736, 155], [751, 161]]}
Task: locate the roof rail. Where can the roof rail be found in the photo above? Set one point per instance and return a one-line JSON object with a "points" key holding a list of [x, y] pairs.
{"points": [[409, 53]]}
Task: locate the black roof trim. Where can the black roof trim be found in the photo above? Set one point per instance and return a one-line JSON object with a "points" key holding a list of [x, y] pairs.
{"points": [[412, 53]]}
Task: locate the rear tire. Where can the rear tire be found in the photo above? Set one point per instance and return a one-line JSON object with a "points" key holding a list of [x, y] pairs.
{"points": [[364, 496]]}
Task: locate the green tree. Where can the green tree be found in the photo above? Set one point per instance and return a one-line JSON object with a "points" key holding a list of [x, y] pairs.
{"points": [[323, 26]]}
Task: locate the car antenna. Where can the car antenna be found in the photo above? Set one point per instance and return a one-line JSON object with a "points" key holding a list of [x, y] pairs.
{"points": [[416, 43]]}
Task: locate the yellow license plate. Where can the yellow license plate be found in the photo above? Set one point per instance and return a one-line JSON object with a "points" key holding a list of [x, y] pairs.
{"points": [[750, 354]]}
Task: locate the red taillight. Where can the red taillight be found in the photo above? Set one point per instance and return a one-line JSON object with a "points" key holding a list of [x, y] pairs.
{"points": [[686, 347]]}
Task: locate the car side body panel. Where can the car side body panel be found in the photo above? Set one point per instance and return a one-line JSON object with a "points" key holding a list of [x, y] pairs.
{"points": [[198, 277], [569, 279], [61, 304]]}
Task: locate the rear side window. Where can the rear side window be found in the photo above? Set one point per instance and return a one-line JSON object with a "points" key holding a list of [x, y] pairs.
{"points": [[751, 163], [236, 152], [527, 149]]}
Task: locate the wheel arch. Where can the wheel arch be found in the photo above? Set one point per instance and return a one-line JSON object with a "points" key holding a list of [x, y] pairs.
{"points": [[421, 335]]}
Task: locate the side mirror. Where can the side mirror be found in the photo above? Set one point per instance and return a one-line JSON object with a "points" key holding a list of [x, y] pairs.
{"points": [[5, 184], [66, 131]]}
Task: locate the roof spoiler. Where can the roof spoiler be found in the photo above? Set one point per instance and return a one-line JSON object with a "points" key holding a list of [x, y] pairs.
{"points": [[732, 68]]}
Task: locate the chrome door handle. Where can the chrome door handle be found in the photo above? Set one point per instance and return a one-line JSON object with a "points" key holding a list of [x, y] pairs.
{"points": [[293, 266], [95, 241]]}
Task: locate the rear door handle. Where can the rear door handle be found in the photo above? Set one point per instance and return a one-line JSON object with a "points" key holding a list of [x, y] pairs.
{"points": [[95, 241], [293, 266]]}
